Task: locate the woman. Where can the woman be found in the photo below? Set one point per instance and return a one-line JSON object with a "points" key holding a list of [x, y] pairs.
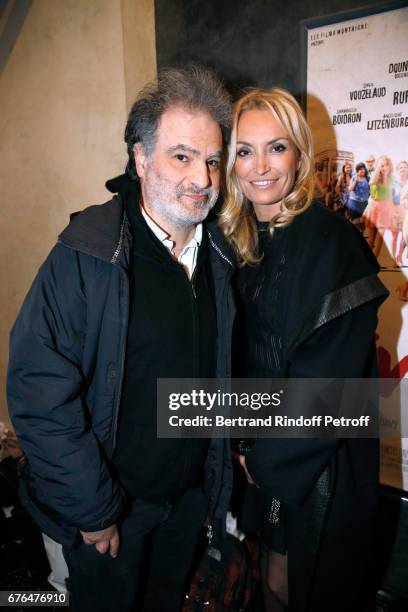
{"points": [[330, 195], [343, 184], [306, 281], [400, 199], [401, 182], [380, 214], [359, 192]]}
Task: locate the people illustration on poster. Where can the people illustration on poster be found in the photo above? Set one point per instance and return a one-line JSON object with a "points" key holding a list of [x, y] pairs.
{"points": [[343, 184], [380, 214], [359, 193], [400, 199], [375, 199]]}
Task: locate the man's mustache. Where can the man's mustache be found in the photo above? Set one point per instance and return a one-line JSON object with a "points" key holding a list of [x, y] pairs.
{"points": [[207, 191]]}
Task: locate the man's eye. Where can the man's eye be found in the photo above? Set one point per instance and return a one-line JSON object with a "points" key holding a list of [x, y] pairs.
{"points": [[214, 163], [181, 157], [243, 152]]}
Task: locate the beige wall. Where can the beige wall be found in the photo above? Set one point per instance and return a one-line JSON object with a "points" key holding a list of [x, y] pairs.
{"points": [[64, 96]]}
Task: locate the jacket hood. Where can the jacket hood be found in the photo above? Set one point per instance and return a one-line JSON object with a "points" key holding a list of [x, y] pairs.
{"points": [[98, 230], [121, 184]]}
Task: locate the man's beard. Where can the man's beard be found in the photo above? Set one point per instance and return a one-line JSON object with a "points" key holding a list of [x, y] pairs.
{"points": [[164, 198]]}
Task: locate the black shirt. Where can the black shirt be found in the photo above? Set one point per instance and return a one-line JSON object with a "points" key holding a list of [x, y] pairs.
{"points": [[171, 334]]}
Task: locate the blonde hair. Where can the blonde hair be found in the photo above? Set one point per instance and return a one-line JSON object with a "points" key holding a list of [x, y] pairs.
{"points": [[237, 218], [378, 175]]}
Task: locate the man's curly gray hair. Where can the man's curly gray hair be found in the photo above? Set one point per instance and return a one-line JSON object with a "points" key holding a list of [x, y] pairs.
{"points": [[195, 88]]}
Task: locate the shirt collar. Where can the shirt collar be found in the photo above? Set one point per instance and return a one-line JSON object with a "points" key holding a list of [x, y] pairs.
{"points": [[164, 236]]}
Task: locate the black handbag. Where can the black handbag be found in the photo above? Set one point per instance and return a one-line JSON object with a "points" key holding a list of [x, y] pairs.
{"points": [[227, 577]]}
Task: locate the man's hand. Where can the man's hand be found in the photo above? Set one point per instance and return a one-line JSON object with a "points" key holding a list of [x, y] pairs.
{"points": [[241, 459], [9, 445], [104, 540]]}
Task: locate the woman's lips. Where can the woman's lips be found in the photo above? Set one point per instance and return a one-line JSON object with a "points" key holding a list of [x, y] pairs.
{"points": [[264, 183]]}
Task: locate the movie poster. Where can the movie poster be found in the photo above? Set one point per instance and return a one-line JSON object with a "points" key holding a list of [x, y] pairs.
{"points": [[357, 108]]}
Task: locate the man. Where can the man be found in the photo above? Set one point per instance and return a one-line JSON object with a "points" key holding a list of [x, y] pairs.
{"points": [[370, 165], [126, 296]]}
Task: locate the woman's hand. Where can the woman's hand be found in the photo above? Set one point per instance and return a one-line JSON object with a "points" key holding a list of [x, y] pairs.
{"points": [[241, 459]]}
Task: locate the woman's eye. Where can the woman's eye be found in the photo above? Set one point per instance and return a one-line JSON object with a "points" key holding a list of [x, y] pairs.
{"points": [[278, 148], [243, 152]]}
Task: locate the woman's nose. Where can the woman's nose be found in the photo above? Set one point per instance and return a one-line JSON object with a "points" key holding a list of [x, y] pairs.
{"points": [[262, 164]]}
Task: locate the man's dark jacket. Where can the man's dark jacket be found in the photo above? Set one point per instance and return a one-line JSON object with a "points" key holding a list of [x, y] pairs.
{"points": [[67, 355]]}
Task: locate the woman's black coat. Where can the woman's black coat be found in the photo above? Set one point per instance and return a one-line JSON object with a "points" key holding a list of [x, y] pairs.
{"points": [[327, 298]]}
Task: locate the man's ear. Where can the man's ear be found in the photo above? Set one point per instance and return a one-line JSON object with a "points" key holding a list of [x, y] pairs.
{"points": [[140, 159]]}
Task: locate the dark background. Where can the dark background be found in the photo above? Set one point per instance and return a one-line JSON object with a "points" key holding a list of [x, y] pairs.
{"points": [[248, 42]]}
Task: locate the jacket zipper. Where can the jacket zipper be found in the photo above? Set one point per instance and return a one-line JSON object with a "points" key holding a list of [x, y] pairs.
{"points": [[223, 301], [217, 248], [119, 245], [122, 366], [123, 338], [193, 301], [194, 310], [113, 261]]}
